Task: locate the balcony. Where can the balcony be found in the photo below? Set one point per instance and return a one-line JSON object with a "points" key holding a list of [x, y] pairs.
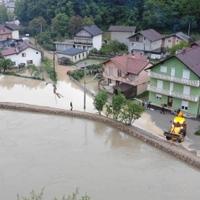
{"points": [[173, 94], [194, 83], [79, 40]]}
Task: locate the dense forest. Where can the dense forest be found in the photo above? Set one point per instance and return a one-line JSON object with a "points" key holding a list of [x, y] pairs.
{"points": [[167, 15], [50, 20]]}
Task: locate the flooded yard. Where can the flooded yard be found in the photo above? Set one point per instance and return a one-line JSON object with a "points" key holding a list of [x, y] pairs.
{"points": [[21, 90], [61, 153]]}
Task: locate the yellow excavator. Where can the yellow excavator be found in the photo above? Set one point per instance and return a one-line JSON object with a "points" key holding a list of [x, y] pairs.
{"points": [[178, 128]]}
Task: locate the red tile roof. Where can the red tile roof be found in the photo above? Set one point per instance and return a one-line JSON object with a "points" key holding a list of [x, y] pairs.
{"points": [[21, 46], [133, 64]]}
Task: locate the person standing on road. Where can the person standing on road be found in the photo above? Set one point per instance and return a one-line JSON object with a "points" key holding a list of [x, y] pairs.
{"points": [[71, 106]]}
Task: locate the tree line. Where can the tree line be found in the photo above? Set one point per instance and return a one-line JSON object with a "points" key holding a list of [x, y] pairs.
{"points": [[166, 15]]}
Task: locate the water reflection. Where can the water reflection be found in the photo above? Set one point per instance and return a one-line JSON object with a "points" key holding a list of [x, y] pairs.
{"points": [[61, 153], [15, 89]]}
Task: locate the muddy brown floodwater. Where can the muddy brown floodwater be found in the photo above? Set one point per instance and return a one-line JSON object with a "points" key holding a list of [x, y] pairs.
{"points": [[62, 153], [21, 90]]}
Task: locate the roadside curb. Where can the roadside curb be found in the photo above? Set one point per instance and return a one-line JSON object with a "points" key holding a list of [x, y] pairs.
{"points": [[171, 148]]}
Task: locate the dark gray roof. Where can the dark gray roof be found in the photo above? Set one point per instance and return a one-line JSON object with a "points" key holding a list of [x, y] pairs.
{"points": [[12, 26], [122, 29], [180, 35], [191, 58], [71, 51], [150, 34], [93, 30]]}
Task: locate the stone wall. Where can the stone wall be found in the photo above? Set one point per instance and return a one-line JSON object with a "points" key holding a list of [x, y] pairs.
{"points": [[171, 148]]}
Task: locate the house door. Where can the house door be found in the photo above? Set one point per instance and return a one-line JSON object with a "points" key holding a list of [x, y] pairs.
{"points": [[169, 101]]}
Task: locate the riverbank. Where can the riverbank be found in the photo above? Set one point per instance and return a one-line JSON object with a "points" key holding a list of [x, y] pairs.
{"points": [[175, 150]]}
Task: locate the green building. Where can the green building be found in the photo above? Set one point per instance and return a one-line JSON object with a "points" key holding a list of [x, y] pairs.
{"points": [[175, 82]]}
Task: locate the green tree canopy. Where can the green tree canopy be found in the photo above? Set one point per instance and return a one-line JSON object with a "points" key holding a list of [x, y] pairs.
{"points": [[130, 112], [118, 102], [37, 25], [60, 24], [5, 64], [100, 100], [3, 14]]}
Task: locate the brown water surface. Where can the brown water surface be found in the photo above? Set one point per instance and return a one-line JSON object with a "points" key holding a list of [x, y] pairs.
{"points": [[61, 153]]}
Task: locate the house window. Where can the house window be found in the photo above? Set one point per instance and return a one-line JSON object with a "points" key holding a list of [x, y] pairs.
{"points": [[184, 105], [163, 69], [186, 90], [186, 74], [119, 73], [29, 62], [158, 96], [173, 72], [137, 38], [75, 57], [23, 54], [169, 41], [160, 84], [79, 56]]}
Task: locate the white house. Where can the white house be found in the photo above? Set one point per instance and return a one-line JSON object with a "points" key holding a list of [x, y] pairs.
{"points": [[121, 33], [14, 29], [148, 42], [73, 54], [23, 53], [89, 37]]}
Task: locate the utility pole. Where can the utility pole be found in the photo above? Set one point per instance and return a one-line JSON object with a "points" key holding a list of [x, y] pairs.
{"points": [[54, 64], [84, 99], [189, 27]]}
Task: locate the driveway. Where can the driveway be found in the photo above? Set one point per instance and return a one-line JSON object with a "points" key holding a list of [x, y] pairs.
{"points": [[155, 122]]}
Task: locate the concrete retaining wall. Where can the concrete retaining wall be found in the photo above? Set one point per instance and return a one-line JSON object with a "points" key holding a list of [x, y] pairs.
{"points": [[171, 148]]}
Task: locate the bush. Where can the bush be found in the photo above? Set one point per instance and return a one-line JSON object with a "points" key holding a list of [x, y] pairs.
{"points": [[77, 74], [197, 132], [65, 61], [113, 48]]}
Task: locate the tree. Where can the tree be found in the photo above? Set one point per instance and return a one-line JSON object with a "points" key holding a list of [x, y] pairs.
{"points": [[130, 112], [75, 22], [45, 40], [100, 100], [3, 14], [178, 47], [117, 103], [5, 64], [60, 24], [37, 25], [88, 21], [114, 47]]}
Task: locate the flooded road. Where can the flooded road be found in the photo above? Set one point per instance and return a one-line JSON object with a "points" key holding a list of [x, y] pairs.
{"points": [[21, 90], [61, 153]]}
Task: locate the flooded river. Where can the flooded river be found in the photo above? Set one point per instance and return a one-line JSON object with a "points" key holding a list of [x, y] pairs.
{"points": [[61, 153]]}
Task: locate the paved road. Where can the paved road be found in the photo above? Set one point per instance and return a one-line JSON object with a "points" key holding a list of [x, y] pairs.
{"points": [[156, 123]]}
